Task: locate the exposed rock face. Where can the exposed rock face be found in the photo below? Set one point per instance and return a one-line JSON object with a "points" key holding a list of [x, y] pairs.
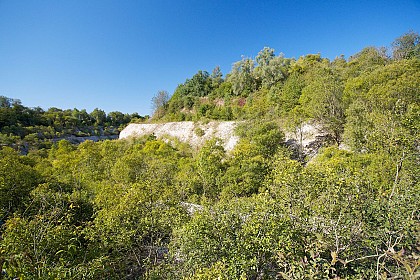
{"points": [[308, 139], [194, 133], [79, 139]]}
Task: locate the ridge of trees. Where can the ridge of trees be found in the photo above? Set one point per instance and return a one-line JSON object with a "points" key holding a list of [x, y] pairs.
{"points": [[274, 87], [34, 128]]}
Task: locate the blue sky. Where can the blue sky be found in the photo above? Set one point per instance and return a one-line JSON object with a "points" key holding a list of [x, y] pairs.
{"points": [[115, 55]]}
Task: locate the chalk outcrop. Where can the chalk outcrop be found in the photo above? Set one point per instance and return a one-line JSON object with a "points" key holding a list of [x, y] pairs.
{"points": [[196, 134], [193, 133]]}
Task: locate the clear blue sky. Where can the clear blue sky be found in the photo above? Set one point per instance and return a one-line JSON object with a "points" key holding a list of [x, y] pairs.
{"points": [[115, 55]]}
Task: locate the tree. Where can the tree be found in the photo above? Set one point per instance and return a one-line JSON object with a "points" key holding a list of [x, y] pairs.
{"points": [[406, 46], [99, 116], [265, 56], [383, 108], [200, 85], [210, 167], [160, 103], [239, 239], [295, 123], [246, 171], [116, 118], [46, 241], [216, 77], [306, 63], [271, 69], [134, 226], [362, 212], [17, 179], [286, 96], [249, 161], [242, 78], [322, 98], [366, 61]]}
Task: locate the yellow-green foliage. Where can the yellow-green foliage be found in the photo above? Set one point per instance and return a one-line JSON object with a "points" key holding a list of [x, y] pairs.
{"points": [[144, 209]]}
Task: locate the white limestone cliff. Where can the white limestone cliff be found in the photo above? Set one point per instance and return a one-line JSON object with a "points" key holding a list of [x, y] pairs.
{"points": [[197, 133], [193, 133]]}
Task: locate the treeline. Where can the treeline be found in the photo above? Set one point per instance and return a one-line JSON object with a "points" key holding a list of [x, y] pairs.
{"points": [[34, 127], [331, 93], [149, 209]]}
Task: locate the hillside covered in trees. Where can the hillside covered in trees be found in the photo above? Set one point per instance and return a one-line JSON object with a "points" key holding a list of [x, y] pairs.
{"points": [[27, 128], [311, 88], [144, 208]]}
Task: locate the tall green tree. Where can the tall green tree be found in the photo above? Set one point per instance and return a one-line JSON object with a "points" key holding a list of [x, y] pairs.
{"points": [[322, 98], [241, 77], [210, 168], [366, 61], [407, 46], [99, 116], [384, 109], [17, 179], [271, 69]]}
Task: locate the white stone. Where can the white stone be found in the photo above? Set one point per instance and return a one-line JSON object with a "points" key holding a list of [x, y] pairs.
{"points": [[186, 132]]}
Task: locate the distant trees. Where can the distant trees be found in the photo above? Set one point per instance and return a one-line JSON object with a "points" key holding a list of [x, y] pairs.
{"points": [[21, 126], [98, 116]]}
